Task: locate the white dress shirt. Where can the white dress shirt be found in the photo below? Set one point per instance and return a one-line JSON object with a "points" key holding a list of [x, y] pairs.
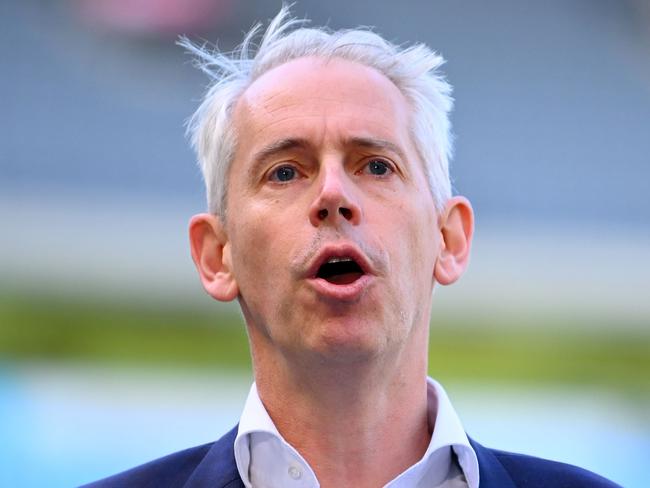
{"points": [[265, 460]]}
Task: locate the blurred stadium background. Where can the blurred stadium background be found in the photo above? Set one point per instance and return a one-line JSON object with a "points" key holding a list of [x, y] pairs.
{"points": [[111, 354]]}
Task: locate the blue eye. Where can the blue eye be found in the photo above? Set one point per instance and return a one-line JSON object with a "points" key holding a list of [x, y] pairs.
{"points": [[378, 167], [283, 174]]}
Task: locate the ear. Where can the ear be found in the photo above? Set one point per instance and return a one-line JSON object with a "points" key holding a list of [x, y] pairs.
{"points": [[456, 229], [211, 254]]}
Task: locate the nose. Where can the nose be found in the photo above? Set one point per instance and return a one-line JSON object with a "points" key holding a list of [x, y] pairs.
{"points": [[335, 202]]}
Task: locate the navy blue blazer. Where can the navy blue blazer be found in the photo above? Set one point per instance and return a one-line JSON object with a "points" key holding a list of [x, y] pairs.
{"points": [[213, 466]]}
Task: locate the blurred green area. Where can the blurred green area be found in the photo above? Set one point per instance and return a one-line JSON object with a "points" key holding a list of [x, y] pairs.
{"points": [[467, 349]]}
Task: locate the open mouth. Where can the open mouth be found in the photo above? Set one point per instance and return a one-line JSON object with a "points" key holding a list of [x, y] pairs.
{"points": [[340, 270]]}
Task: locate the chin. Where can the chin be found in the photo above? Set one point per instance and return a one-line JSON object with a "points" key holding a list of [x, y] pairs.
{"points": [[346, 341]]}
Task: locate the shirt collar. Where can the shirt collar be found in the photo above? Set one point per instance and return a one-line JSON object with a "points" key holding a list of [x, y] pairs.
{"points": [[448, 433]]}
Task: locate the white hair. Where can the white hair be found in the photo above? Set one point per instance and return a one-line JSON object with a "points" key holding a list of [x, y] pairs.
{"points": [[414, 70]]}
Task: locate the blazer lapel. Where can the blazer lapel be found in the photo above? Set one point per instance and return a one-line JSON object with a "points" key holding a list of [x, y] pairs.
{"points": [[491, 472], [218, 468]]}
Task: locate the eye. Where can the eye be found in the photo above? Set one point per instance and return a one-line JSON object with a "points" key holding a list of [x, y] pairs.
{"points": [[378, 167], [283, 174]]}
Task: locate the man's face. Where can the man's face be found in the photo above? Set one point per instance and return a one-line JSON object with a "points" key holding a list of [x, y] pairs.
{"points": [[331, 229]]}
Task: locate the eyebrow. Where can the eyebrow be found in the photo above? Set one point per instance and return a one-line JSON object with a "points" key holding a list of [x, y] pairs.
{"points": [[299, 143], [279, 146], [376, 144]]}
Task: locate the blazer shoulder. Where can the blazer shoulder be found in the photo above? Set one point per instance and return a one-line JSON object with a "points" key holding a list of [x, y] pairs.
{"points": [[171, 471], [534, 472]]}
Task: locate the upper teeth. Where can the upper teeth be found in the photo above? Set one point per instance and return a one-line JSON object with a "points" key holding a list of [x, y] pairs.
{"points": [[338, 260]]}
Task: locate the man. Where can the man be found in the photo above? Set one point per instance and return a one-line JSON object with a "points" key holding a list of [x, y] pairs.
{"points": [[331, 220]]}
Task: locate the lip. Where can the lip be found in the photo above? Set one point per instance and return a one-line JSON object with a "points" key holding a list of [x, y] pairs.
{"points": [[350, 292], [341, 292]]}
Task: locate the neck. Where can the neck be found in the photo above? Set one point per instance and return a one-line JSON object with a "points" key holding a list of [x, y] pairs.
{"points": [[356, 424]]}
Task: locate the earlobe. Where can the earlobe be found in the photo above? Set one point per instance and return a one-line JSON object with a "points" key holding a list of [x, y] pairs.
{"points": [[210, 249], [456, 230]]}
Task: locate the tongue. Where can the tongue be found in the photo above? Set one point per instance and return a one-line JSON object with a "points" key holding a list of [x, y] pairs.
{"points": [[344, 278]]}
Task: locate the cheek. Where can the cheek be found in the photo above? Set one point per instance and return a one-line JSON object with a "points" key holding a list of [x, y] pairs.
{"points": [[260, 255], [250, 238], [419, 242]]}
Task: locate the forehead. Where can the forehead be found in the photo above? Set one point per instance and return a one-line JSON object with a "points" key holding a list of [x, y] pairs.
{"points": [[321, 98]]}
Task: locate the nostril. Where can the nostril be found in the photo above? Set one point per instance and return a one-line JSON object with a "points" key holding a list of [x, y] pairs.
{"points": [[322, 214], [346, 212]]}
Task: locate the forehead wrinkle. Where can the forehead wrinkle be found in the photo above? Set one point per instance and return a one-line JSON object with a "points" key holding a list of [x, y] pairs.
{"points": [[306, 133], [379, 137], [286, 93], [317, 121], [273, 108]]}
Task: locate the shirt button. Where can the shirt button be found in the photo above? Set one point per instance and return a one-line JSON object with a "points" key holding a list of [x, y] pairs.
{"points": [[294, 472]]}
